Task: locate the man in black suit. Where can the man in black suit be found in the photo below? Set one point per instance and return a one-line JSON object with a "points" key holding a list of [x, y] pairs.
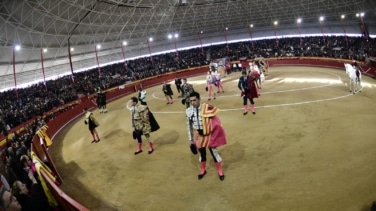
{"points": [[168, 92], [178, 85]]}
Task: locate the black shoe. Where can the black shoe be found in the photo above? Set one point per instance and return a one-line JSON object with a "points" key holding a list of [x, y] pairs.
{"points": [[200, 176], [138, 152], [151, 151], [97, 141], [245, 113], [221, 177], [253, 112], [93, 141]]}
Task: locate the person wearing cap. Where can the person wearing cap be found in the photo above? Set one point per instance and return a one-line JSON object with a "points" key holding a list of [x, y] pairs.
{"points": [[178, 85], [186, 89], [357, 72], [92, 123], [248, 87], [102, 102], [218, 80], [210, 83], [143, 123], [168, 92]]}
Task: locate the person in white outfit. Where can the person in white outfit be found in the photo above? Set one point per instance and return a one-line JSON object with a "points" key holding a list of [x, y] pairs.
{"points": [[142, 96]]}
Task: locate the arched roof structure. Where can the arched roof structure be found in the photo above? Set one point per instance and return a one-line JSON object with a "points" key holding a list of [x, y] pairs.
{"points": [[82, 24]]}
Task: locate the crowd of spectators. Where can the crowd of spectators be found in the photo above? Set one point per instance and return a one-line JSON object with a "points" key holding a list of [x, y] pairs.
{"points": [[40, 98], [17, 174]]}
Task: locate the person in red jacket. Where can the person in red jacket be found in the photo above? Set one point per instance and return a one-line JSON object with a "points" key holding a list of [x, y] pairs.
{"points": [[205, 131]]}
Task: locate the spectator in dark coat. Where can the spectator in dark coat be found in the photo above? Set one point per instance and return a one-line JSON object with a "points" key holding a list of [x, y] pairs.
{"points": [[33, 199]]}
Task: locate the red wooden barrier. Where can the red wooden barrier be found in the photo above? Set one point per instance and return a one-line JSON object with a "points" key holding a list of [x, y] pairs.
{"points": [[65, 202]]}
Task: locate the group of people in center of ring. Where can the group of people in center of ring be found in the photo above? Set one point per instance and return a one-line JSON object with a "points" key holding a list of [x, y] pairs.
{"points": [[213, 80], [205, 131]]}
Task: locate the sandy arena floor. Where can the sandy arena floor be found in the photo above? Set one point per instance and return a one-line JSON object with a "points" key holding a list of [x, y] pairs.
{"points": [[310, 146]]}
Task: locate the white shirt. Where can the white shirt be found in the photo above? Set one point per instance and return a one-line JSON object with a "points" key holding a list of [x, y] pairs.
{"points": [[194, 120], [143, 96]]}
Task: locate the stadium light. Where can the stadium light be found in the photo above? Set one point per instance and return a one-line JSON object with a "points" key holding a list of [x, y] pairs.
{"points": [[298, 21], [17, 47], [173, 37], [123, 51], [97, 47], [150, 40], [275, 23], [364, 30], [321, 19], [200, 39], [225, 35], [360, 14], [250, 34]]}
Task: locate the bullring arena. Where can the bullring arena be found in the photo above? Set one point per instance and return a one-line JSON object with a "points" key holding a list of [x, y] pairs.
{"points": [[310, 146]]}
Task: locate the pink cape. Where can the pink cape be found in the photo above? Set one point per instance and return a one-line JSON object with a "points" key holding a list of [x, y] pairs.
{"points": [[214, 134]]}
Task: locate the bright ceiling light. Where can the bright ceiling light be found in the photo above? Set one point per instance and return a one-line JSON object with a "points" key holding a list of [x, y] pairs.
{"points": [[17, 47]]}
